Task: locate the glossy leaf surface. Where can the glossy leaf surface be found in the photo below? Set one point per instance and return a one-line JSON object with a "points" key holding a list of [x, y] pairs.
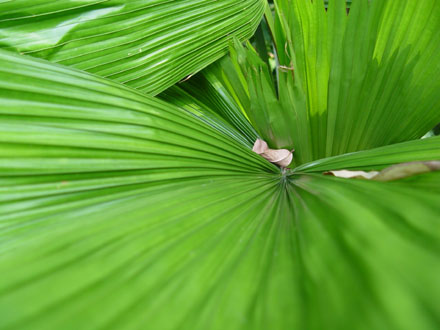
{"points": [[146, 44]]}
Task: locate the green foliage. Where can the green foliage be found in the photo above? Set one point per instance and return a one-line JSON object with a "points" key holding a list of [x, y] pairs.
{"points": [[378, 158], [146, 44], [343, 83], [120, 210]]}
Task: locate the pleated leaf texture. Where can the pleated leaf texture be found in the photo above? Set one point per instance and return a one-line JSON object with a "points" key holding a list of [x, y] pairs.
{"points": [[342, 82], [146, 44], [120, 210]]}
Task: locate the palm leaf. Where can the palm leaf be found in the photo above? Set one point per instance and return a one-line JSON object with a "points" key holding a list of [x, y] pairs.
{"points": [[378, 158], [342, 83], [122, 211], [207, 97], [146, 44]]}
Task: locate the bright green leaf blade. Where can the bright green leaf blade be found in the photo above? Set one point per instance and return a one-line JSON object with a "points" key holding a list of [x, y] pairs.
{"points": [[369, 251], [378, 158], [213, 251], [74, 120], [370, 76], [120, 211], [146, 44], [345, 82], [152, 254], [206, 97]]}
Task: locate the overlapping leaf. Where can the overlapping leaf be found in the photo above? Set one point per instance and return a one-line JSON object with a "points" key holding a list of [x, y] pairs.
{"points": [[146, 44], [342, 83], [121, 211], [378, 158]]}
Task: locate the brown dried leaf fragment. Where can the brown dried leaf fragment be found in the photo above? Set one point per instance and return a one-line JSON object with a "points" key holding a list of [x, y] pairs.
{"points": [[281, 157], [405, 170], [394, 172]]}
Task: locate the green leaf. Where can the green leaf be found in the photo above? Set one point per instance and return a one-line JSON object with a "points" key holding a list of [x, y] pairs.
{"points": [[53, 107], [368, 248], [378, 158], [344, 82], [206, 97], [146, 44], [121, 211]]}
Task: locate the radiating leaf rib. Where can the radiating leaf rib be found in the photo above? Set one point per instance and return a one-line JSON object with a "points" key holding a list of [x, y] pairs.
{"points": [[123, 211], [80, 112], [236, 257], [157, 228], [351, 233], [149, 45]]}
